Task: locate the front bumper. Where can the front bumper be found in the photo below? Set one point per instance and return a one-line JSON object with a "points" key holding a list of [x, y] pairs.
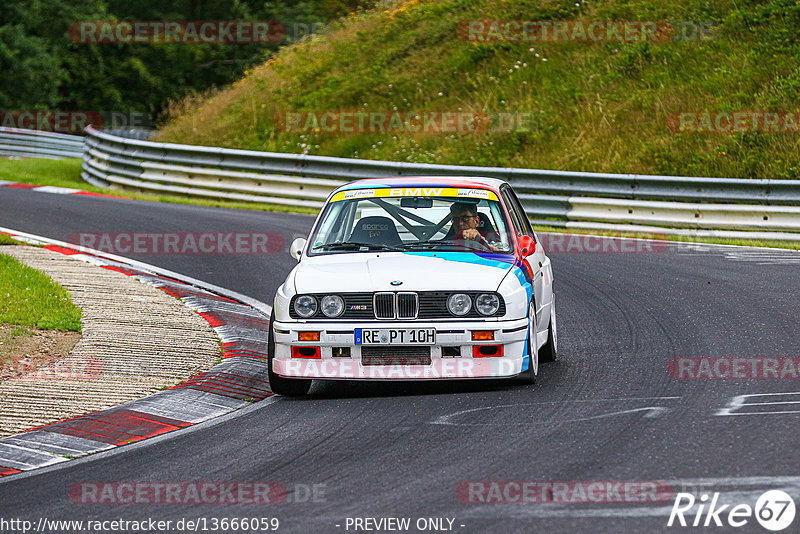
{"points": [[450, 358]]}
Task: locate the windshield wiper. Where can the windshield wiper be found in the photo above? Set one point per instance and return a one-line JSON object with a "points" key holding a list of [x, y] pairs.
{"points": [[348, 245], [443, 243], [424, 244]]}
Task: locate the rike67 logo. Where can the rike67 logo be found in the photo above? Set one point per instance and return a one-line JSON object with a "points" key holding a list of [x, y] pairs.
{"points": [[774, 510]]}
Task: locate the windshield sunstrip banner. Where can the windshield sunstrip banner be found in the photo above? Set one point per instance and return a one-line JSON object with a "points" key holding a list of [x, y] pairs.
{"points": [[386, 192]]}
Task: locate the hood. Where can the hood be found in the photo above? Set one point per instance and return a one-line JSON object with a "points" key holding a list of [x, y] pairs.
{"points": [[419, 271]]}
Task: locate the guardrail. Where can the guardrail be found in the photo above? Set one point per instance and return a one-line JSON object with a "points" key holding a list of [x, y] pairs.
{"points": [[722, 207], [725, 207], [39, 144]]}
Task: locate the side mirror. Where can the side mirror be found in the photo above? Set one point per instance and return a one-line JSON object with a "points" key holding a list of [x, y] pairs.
{"points": [[527, 245], [296, 248]]}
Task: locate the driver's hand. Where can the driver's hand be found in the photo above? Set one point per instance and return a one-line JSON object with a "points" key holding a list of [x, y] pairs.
{"points": [[471, 234]]}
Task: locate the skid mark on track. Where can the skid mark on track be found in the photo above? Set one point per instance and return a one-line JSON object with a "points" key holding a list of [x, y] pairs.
{"points": [[649, 411], [763, 404], [758, 256]]}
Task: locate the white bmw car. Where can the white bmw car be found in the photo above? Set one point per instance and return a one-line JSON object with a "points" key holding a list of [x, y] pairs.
{"points": [[424, 278]]}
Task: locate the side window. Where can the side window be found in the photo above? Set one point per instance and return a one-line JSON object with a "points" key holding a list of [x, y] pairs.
{"points": [[521, 222]]}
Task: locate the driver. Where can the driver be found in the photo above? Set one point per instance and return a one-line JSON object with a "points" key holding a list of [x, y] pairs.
{"points": [[465, 224]]}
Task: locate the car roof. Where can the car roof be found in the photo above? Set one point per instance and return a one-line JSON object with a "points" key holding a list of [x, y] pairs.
{"points": [[477, 182]]}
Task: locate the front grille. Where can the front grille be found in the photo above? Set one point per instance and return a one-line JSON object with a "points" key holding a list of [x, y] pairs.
{"points": [[384, 305], [433, 305], [372, 306], [395, 355], [357, 306], [407, 305]]}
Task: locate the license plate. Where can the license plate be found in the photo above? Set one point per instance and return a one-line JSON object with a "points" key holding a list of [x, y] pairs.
{"points": [[395, 336]]}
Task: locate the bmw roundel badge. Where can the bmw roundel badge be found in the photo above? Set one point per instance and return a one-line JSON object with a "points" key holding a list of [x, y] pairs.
{"points": [[396, 282]]}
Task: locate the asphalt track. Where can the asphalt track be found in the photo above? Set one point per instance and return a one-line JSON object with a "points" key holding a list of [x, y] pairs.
{"points": [[607, 411]]}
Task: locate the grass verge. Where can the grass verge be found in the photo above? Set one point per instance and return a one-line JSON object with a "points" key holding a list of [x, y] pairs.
{"points": [[67, 173], [30, 298], [8, 240]]}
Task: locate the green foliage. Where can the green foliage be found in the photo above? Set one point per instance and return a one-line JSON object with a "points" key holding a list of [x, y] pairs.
{"points": [[44, 70], [24, 58]]}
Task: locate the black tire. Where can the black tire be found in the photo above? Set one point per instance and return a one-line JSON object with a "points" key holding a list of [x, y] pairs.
{"points": [[288, 387], [549, 352], [528, 377]]}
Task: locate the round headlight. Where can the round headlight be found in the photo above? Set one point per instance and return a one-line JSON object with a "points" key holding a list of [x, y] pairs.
{"points": [[487, 304], [332, 305], [305, 305], [459, 304]]}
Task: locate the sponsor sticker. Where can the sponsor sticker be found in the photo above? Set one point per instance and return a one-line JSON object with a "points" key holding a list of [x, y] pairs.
{"points": [[474, 193], [359, 193]]}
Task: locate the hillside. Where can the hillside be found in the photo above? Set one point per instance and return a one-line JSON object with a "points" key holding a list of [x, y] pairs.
{"points": [[580, 104]]}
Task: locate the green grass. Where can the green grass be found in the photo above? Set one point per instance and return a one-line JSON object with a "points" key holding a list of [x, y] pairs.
{"points": [[600, 107], [56, 172], [67, 173], [30, 298]]}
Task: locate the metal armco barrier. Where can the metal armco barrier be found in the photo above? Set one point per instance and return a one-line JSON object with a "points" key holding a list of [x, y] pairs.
{"points": [[719, 207], [39, 144]]}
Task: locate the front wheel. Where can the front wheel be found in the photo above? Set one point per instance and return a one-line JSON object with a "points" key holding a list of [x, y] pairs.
{"points": [[288, 387], [549, 352], [529, 376]]}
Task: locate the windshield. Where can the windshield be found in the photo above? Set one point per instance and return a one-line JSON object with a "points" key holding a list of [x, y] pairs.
{"points": [[412, 219]]}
